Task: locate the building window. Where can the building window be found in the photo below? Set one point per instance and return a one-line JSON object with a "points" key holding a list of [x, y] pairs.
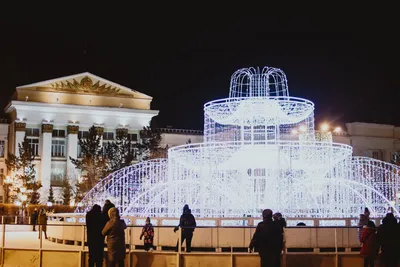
{"points": [[58, 133], [376, 154], [34, 146], [108, 136], [2, 148], [58, 148], [32, 132], [83, 134], [133, 137], [79, 151], [58, 172]]}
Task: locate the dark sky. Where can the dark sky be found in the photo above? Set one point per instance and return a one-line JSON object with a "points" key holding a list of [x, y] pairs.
{"points": [[350, 73]]}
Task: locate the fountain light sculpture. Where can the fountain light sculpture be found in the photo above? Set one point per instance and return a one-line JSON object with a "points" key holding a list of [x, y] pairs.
{"points": [[260, 151]]}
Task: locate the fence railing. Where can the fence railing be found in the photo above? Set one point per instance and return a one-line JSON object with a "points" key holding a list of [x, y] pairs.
{"points": [[66, 236]]}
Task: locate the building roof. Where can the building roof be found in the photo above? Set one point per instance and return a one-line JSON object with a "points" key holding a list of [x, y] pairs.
{"points": [[85, 82]]}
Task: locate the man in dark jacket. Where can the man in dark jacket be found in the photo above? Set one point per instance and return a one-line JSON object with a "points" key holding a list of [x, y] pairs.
{"points": [[187, 223], [388, 238], [107, 206], [268, 240], [34, 218], [94, 225]]}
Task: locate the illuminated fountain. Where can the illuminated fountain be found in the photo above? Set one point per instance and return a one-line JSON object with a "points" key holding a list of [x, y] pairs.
{"points": [[260, 151]]}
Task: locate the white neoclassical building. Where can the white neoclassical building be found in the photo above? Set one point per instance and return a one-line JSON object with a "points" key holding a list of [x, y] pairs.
{"points": [[53, 114]]}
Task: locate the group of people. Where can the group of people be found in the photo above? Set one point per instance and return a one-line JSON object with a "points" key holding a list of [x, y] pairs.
{"points": [[187, 223], [105, 223], [385, 238], [39, 218], [268, 239]]}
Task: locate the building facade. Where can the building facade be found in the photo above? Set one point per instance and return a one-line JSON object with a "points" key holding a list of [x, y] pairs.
{"points": [[3, 155], [53, 114], [378, 141]]}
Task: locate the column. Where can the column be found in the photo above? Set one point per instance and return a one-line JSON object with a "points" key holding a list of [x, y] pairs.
{"points": [[72, 151], [19, 135], [45, 161]]}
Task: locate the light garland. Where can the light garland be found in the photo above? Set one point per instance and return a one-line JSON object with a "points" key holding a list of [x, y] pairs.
{"points": [[260, 151]]}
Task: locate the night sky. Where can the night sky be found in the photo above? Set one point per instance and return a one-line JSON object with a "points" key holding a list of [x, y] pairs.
{"points": [[350, 75]]}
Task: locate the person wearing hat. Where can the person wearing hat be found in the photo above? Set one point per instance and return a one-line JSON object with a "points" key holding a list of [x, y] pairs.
{"points": [[268, 240], [94, 225], [364, 218], [148, 234], [115, 232]]}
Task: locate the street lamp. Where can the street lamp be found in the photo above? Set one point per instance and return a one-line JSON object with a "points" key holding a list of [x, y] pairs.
{"points": [[337, 130], [325, 127]]}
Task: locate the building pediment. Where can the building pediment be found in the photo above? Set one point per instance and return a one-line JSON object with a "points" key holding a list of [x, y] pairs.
{"points": [[84, 83]]}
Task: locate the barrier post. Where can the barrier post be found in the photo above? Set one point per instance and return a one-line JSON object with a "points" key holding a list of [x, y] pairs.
{"points": [[336, 250], [3, 239], [40, 245], [178, 259]]}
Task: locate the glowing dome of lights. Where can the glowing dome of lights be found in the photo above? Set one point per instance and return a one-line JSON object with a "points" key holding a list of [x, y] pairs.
{"points": [[260, 151]]}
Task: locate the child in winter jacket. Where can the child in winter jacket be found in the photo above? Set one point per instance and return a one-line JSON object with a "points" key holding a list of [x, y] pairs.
{"points": [[148, 233], [369, 244]]}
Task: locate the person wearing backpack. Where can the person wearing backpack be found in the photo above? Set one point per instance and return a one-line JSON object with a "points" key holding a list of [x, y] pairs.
{"points": [[187, 223]]}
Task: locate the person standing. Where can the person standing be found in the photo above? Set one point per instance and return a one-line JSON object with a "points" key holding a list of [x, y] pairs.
{"points": [[364, 218], [187, 223], [388, 238], [267, 240], [42, 221], [94, 226], [369, 249], [115, 232], [148, 234], [107, 206], [281, 222], [34, 218]]}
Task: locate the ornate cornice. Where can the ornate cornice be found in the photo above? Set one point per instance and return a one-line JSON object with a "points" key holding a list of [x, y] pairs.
{"points": [[20, 126], [121, 132], [85, 86], [72, 129], [47, 128], [99, 130]]}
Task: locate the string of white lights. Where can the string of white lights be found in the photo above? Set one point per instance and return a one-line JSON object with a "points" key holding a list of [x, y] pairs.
{"points": [[260, 151]]}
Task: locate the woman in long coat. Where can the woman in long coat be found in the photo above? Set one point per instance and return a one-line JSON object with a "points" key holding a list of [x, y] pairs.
{"points": [[42, 221], [115, 232]]}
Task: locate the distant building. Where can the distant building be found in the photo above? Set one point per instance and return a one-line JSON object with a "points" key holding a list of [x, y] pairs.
{"points": [[175, 137], [378, 141]]}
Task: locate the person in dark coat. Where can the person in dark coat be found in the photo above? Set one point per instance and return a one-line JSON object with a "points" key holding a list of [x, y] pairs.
{"points": [[279, 220], [388, 238], [94, 225], [187, 223], [107, 206], [268, 240], [148, 234], [115, 232], [34, 218], [369, 249]]}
